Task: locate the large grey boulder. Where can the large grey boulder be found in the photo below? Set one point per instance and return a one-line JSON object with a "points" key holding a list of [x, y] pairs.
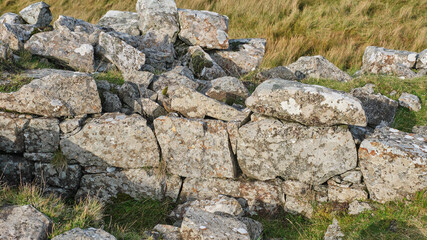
{"points": [[37, 14], [77, 25], [67, 176], [85, 234], [15, 170], [15, 35], [379, 109], [159, 17], [11, 18], [179, 76], [307, 104], [269, 148], [199, 224], [203, 28], [422, 60], [113, 140], [42, 135], [318, 67], [393, 164], [12, 132], [241, 57], [120, 21], [378, 60], [123, 55], [410, 101], [23, 222], [202, 65], [226, 89], [72, 49], [195, 148]]}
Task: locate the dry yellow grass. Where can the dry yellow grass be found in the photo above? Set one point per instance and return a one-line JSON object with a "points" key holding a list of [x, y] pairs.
{"points": [[340, 30]]}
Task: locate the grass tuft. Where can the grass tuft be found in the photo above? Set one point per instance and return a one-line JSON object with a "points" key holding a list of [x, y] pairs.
{"points": [[112, 76]]}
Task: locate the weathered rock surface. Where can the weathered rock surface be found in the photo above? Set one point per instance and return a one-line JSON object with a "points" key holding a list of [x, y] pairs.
{"points": [[57, 95], [179, 76], [37, 14], [67, 176], [354, 176], [199, 224], [242, 56], [357, 207], [346, 194], [15, 35], [77, 25], [298, 198], [334, 231], [393, 164], [378, 108], [203, 28], [123, 55], [85, 234], [421, 130], [158, 17], [319, 67], [23, 222], [168, 232], [307, 104], [280, 72], [111, 102], [15, 170], [113, 140], [5, 52], [141, 78], [226, 89], [72, 49], [12, 132], [120, 21], [11, 18], [270, 148], [42, 135], [421, 62], [410, 101], [202, 65], [195, 148]]}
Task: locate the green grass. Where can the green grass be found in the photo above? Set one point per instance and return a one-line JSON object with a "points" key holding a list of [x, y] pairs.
{"points": [[16, 82], [112, 76]]}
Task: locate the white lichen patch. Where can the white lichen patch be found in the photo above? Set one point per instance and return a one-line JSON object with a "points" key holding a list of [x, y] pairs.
{"points": [[291, 106], [412, 57], [84, 49]]}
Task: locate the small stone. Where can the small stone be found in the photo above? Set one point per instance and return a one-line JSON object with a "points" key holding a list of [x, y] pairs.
{"points": [[334, 231], [111, 102], [357, 207], [410, 101], [37, 14], [85, 234], [226, 89], [202, 65]]}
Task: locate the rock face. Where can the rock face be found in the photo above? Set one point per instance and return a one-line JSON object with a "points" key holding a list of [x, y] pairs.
{"points": [[168, 232], [124, 56], [15, 170], [393, 164], [410, 101], [15, 35], [23, 222], [378, 60], [179, 76], [37, 14], [195, 148], [226, 89], [159, 17], [85, 234], [319, 67], [56, 95], [203, 28], [202, 65], [11, 18], [42, 135], [307, 104], [72, 49], [120, 21], [242, 56], [67, 177], [113, 140], [12, 132], [334, 231], [379, 109], [269, 148], [421, 62]]}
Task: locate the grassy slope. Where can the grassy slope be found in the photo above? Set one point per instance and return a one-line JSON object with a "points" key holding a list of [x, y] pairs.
{"points": [[340, 30]]}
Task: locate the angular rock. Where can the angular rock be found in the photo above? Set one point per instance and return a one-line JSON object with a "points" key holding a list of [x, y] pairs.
{"points": [[203, 66], [39, 157], [298, 198], [123, 55], [11, 18], [85, 234], [344, 194], [242, 56], [203, 28], [67, 176], [379, 109], [141, 78], [168, 232], [319, 67], [199, 224], [23, 222], [151, 110], [261, 196], [195, 148], [310, 105], [120, 21], [270, 148], [226, 89], [12, 132], [410, 101], [378, 60], [78, 25], [113, 140], [71, 125], [57, 95], [334, 231], [5, 52], [15, 35], [42, 135], [111, 102], [37, 14], [357, 207], [179, 76], [193, 104], [72, 49], [15, 170], [280, 72], [137, 183], [159, 17], [421, 62], [354, 177], [360, 133], [393, 164]]}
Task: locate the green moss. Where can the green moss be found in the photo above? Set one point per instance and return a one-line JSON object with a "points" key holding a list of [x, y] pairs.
{"points": [[15, 83], [200, 62], [59, 160], [112, 76]]}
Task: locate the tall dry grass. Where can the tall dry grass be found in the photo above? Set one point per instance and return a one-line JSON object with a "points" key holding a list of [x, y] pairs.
{"points": [[340, 30]]}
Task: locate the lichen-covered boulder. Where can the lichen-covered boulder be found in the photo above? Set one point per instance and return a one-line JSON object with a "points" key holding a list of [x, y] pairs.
{"points": [[203, 28], [85, 234], [42, 135], [15, 35], [66, 176], [319, 67], [394, 164], [195, 148], [226, 89], [12, 132], [410, 101], [202, 65], [310, 105], [113, 140], [72, 49], [37, 14], [241, 57], [422, 60], [23, 222], [56, 95], [15, 170], [298, 198], [77, 25], [269, 148], [120, 21], [11, 18], [179, 76]]}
